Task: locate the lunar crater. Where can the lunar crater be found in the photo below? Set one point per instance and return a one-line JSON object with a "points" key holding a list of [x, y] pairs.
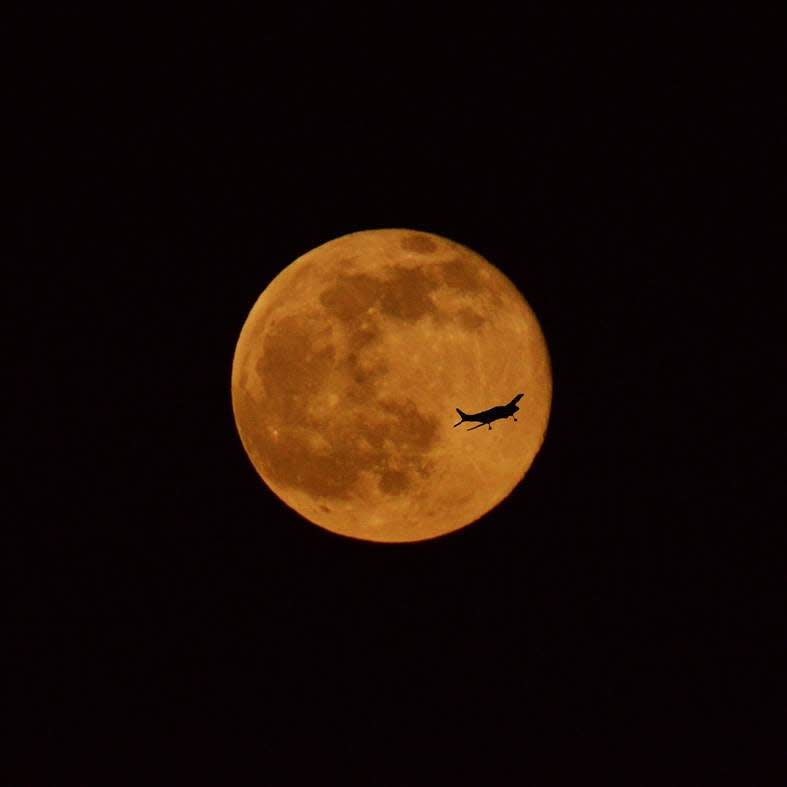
{"points": [[419, 243]]}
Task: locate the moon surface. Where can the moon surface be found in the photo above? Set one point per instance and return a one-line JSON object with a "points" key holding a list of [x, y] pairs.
{"points": [[348, 372]]}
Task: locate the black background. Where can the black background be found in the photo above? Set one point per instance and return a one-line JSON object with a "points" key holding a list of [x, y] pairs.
{"points": [[172, 621]]}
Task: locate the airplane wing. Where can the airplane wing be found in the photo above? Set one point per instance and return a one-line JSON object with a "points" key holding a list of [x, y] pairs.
{"points": [[476, 427]]}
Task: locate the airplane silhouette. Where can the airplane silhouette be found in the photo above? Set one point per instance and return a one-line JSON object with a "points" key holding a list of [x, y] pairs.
{"points": [[487, 416]]}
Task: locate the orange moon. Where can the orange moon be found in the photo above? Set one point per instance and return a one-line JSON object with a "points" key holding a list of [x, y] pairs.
{"points": [[348, 372]]}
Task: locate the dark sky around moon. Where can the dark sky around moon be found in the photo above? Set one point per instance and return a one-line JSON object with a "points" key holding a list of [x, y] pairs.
{"points": [[163, 603]]}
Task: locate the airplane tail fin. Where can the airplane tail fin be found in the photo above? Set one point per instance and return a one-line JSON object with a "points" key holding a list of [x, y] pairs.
{"points": [[462, 415]]}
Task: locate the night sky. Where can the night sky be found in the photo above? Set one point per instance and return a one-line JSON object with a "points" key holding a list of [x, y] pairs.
{"points": [[172, 622]]}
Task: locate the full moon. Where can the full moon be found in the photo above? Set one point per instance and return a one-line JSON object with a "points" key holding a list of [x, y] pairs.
{"points": [[349, 370]]}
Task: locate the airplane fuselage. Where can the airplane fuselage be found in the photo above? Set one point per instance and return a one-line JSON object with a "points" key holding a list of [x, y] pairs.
{"points": [[490, 415]]}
